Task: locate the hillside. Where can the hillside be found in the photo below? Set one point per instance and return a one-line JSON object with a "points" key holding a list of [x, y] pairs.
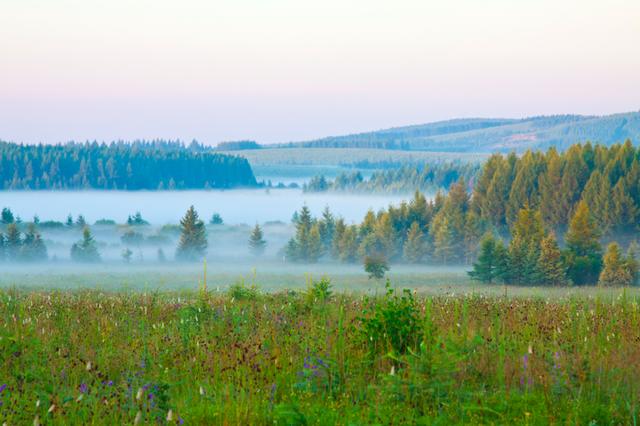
{"points": [[489, 135]]}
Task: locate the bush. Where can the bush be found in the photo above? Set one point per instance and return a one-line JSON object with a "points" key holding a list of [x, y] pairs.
{"points": [[319, 291], [376, 266], [392, 325], [240, 291]]}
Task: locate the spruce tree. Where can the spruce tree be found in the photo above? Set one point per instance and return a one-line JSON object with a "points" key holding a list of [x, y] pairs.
{"points": [[443, 242], [524, 247], [414, 247], [33, 248], [193, 237], [584, 253], [85, 250], [632, 261], [257, 244], [485, 268], [551, 267], [615, 271], [327, 227], [13, 242], [348, 245], [314, 246], [7, 216]]}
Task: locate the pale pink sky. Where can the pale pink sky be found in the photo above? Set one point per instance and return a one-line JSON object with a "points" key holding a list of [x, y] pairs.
{"points": [[281, 70]]}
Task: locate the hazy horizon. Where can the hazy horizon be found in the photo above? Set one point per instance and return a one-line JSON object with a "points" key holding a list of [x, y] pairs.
{"points": [[295, 70]]}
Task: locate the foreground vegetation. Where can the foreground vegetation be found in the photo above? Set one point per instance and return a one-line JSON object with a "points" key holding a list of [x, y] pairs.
{"points": [[313, 357]]}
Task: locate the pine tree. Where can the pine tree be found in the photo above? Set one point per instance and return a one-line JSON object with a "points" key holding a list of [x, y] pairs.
{"points": [[615, 271], [348, 245], [632, 261], [485, 269], [257, 244], [340, 228], [13, 242], [327, 227], [584, 253], [6, 216], [315, 247], [33, 248], [193, 237], [414, 247], [473, 231], [551, 268], [86, 249], [443, 242], [524, 247]]}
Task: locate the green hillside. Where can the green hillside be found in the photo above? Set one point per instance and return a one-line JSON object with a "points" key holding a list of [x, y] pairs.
{"points": [[489, 135]]}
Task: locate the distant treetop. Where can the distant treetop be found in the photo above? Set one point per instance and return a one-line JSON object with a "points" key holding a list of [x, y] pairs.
{"points": [[238, 145]]}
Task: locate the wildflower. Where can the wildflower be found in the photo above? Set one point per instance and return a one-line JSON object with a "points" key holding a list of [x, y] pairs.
{"points": [[79, 398], [50, 410], [83, 388], [170, 416], [393, 370], [139, 394], [89, 366], [201, 391], [36, 421], [138, 418], [3, 387], [180, 420]]}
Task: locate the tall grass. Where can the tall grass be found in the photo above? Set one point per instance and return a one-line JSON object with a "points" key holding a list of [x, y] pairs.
{"points": [[88, 357]]}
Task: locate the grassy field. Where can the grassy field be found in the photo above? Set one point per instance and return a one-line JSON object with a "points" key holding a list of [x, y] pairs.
{"points": [[446, 354]]}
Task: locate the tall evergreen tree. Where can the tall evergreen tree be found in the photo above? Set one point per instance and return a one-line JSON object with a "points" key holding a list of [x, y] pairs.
{"points": [[33, 247], [257, 244], [486, 268], [193, 237], [7, 216], [615, 271], [551, 269], [415, 246], [12, 242], [584, 253], [85, 250]]}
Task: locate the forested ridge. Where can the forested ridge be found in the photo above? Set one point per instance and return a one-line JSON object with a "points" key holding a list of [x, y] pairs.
{"points": [[121, 165]]}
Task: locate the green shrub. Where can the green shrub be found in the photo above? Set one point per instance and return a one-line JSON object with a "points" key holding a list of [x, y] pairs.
{"points": [[393, 324]]}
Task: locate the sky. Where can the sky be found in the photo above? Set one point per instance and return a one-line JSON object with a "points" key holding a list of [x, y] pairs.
{"points": [[289, 70]]}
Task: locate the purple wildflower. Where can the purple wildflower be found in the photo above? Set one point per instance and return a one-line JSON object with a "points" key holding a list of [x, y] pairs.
{"points": [[83, 388], [3, 387]]}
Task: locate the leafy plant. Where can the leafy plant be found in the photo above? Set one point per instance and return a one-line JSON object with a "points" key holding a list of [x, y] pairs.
{"points": [[393, 324]]}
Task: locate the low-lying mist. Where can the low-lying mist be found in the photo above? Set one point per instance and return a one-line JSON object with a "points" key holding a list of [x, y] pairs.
{"points": [[162, 207]]}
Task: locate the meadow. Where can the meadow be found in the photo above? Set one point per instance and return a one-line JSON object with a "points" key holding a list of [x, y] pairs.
{"points": [[317, 354]]}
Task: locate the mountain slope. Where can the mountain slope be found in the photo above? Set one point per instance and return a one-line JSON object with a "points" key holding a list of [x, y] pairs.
{"points": [[488, 135]]}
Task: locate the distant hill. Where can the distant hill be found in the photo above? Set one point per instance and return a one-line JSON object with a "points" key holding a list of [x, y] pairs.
{"points": [[489, 135]]}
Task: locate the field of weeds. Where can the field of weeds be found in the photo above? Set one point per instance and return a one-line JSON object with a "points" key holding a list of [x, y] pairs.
{"points": [[315, 357]]}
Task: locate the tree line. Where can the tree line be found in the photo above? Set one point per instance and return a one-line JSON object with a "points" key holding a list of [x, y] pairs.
{"points": [[135, 165], [586, 196], [407, 178]]}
